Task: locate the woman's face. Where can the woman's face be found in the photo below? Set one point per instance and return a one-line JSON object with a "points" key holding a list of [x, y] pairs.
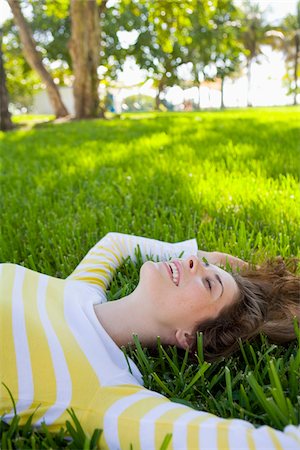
{"points": [[183, 292]]}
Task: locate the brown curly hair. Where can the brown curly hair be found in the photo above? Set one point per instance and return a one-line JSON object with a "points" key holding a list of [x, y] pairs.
{"points": [[268, 302]]}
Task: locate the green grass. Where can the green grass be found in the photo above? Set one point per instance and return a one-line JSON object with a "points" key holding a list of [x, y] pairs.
{"points": [[230, 179]]}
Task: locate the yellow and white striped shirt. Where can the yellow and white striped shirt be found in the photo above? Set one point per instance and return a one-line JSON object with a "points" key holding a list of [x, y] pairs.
{"points": [[55, 355]]}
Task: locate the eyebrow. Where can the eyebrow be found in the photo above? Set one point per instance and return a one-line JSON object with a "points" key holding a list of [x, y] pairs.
{"points": [[220, 281]]}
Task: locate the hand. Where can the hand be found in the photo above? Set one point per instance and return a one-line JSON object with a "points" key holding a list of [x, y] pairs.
{"points": [[222, 259]]}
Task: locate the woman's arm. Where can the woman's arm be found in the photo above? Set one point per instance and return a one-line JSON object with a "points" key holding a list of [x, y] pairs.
{"points": [[133, 417], [222, 259], [99, 265]]}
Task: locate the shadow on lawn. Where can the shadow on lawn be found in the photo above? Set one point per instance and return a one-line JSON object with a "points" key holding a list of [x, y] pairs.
{"points": [[81, 188], [197, 138], [189, 126]]}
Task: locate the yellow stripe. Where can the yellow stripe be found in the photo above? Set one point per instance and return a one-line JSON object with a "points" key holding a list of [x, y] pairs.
{"points": [[250, 440], [103, 399], [193, 435], [8, 367], [121, 249], [130, 420], [41, 363], [101, 256], [107, 250], [275, 439], [94, 270], [91, 261], [164, 426], [222, 435], [90, 280], [84, 380]]}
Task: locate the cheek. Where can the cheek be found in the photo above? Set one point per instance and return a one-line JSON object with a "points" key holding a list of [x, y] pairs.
{"points": [[197, 294], [194, 301]]}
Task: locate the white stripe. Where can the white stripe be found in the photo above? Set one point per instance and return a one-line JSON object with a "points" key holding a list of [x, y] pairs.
{"points": [[287, 438], [62, 375], [147, 423], [237, 434], [181, 426], [262, 438], [293, 432], [88, 339], [208, 433], [110, 420], [25, 381], [286, 441]]}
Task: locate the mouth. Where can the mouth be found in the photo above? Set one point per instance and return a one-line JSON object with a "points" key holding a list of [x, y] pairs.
{"points": [[174, 272]]}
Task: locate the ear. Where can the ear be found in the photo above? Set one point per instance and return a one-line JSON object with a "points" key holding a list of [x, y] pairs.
{"points": [[184, 339]]}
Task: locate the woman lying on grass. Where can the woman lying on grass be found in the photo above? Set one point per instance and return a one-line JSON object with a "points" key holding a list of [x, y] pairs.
{"points": [[60, 341]]}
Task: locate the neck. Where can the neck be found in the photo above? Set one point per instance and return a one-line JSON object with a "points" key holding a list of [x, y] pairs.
{"points": [[126, 317]]}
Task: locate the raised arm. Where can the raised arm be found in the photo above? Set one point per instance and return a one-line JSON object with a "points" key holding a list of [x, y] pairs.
{"points": [[99, 265], [133, 417], [222, 259]]}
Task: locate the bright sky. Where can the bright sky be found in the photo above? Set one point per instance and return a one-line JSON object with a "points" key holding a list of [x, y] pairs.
{"points": [[266, 77], [275, 9]]}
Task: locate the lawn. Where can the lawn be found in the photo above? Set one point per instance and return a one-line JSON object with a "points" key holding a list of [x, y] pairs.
{"points": [[230, 179]]}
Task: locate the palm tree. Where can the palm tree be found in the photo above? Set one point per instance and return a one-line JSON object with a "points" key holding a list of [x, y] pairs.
{"points": [[253, 37], [287, 40]]}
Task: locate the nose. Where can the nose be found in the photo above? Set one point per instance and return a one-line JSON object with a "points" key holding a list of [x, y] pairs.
{"points": [[193, 262], [196, 266]]}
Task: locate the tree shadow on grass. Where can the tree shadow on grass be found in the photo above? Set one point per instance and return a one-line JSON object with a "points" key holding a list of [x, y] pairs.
{"points": [[63, 209]]}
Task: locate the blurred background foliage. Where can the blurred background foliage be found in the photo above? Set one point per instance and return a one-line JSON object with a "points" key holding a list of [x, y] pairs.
{"points": [[211, 39]]}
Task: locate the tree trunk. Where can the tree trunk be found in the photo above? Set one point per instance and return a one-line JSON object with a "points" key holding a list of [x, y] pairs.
{"points": [[5, 116], [249, 99], [222, 93], [34, 59], [157, 98], [84, 48], [157, 101], [297, 51]]}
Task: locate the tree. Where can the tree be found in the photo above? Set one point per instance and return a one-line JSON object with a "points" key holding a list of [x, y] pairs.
{"points": [[22, 81], [228, 48], [163, 31], [34, 59], [287, 40], [200, 46], [85, 52], [215, 50], [50, 24], [50, 27], [254, 36], [5, 116]]}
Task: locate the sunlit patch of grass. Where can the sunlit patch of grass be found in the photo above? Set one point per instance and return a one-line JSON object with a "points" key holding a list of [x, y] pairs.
{"points": [[31, 119], [230, 179]]}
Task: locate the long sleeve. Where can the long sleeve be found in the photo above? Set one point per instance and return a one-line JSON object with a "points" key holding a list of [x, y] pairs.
{"points": [[100, 263], [137, 417]]}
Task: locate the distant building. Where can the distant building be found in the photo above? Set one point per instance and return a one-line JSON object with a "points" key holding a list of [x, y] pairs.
{"points": [[41, 103]]}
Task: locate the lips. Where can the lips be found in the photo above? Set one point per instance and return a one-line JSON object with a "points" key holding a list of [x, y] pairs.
{"points": [[173, 268]]}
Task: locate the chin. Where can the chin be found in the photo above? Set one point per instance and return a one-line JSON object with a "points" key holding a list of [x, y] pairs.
{"points": [[148, 266], [149, 272]]}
